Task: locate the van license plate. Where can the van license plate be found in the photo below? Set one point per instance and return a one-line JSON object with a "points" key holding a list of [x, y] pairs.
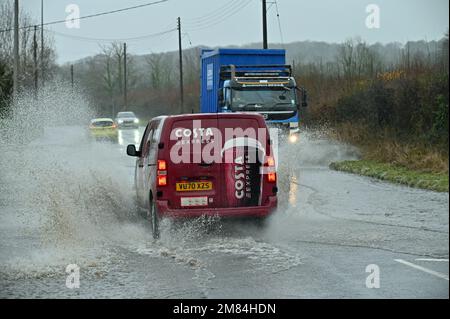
{"points": [[194, 186], [194, 201]]}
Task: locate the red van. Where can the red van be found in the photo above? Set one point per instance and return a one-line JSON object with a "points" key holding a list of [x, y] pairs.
{"points": [[205, 164]]}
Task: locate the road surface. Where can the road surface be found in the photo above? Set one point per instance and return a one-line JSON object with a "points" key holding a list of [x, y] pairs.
{"points": [[66, 200]]}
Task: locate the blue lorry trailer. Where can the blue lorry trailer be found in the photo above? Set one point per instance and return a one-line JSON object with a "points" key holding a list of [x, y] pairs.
{"points": [[251, 80]]}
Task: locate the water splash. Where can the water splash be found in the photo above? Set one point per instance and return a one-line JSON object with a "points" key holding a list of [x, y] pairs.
{"points": [[64, 198]]}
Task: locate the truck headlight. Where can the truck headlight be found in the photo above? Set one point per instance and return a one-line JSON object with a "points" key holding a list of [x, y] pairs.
{"points": [[293, 138]]}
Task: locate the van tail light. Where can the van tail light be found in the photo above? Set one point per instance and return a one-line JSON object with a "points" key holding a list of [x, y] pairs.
{"points": [[162, 180], [162, 173], [162, 165], [271, 173], [272, 177]]}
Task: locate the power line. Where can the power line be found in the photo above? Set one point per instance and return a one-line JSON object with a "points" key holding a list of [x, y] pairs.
{"points": [[279, 24], [188, 37], [89, 39], [233, 8], [162, 40], [93, 15], [222, 19], [215, 13]]}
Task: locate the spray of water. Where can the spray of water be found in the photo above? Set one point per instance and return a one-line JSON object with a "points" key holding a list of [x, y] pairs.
{"points": [[315, 150], [64, 199]]}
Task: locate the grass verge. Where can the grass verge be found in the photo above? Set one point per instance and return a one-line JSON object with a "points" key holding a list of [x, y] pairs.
{"points": [[396, 174]]}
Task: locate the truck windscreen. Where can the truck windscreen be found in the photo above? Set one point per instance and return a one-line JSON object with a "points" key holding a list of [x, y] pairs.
{"points": [[263, 99]]}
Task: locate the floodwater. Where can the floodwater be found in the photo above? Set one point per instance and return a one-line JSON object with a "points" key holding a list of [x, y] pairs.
{"points": [[67, 199]]}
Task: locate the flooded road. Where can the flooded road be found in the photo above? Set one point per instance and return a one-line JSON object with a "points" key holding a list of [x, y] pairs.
{"points": [[65, 199]]}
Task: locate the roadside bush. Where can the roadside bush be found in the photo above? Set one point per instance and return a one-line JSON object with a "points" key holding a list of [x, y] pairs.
{"points": [[354, 107], [439, 131]]}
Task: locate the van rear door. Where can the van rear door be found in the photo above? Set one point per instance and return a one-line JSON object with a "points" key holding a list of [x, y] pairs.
{"points": [[242, 156], [195, 180]]}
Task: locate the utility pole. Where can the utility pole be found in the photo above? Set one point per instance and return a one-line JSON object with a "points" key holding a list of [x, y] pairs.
{"points": [[125, 97], [35, 63], [181, 66], [42, 42], [264, 17], [71, 75], [16, 49]]}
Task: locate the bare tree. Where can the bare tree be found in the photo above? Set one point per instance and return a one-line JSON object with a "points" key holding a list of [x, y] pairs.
{"points": [[161, 70], [155, 62], [112, 74], [117, 51], [357, 61], [345, 61], [108, 78]]}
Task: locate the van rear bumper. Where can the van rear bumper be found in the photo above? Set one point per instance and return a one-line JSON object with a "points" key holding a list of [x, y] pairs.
{"points": [[253, 211]]}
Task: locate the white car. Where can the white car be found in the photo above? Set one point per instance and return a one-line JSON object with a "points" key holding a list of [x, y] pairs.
{"points": [[127, 119]]}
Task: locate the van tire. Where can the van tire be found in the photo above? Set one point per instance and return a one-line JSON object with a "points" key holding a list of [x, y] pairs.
{"points": [[261, 222], [154, 219]]}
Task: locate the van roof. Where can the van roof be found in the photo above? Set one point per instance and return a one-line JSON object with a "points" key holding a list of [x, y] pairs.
{"points": [[237, 115], [200, 116]]}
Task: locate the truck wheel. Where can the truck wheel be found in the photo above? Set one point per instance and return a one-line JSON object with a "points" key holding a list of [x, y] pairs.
{"points": [[154, 219]]}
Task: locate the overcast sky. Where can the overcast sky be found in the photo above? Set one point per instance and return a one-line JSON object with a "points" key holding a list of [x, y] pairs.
{"points": [[226, 22]]}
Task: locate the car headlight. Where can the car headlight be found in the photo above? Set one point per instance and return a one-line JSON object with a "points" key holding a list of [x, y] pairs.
{"points": [[293, 138], [120, 121], [136, 121]]}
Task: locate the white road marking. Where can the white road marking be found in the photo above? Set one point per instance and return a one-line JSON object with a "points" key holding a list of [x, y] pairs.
{"points": [[432, 259], [429, 271]]}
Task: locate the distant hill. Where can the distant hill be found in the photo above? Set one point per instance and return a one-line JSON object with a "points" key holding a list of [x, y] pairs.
{"points": [[308, 51]]}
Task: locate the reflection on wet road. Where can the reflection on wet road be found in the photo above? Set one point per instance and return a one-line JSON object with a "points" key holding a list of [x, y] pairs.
{"points": [[129, 136], [65, 199]]}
